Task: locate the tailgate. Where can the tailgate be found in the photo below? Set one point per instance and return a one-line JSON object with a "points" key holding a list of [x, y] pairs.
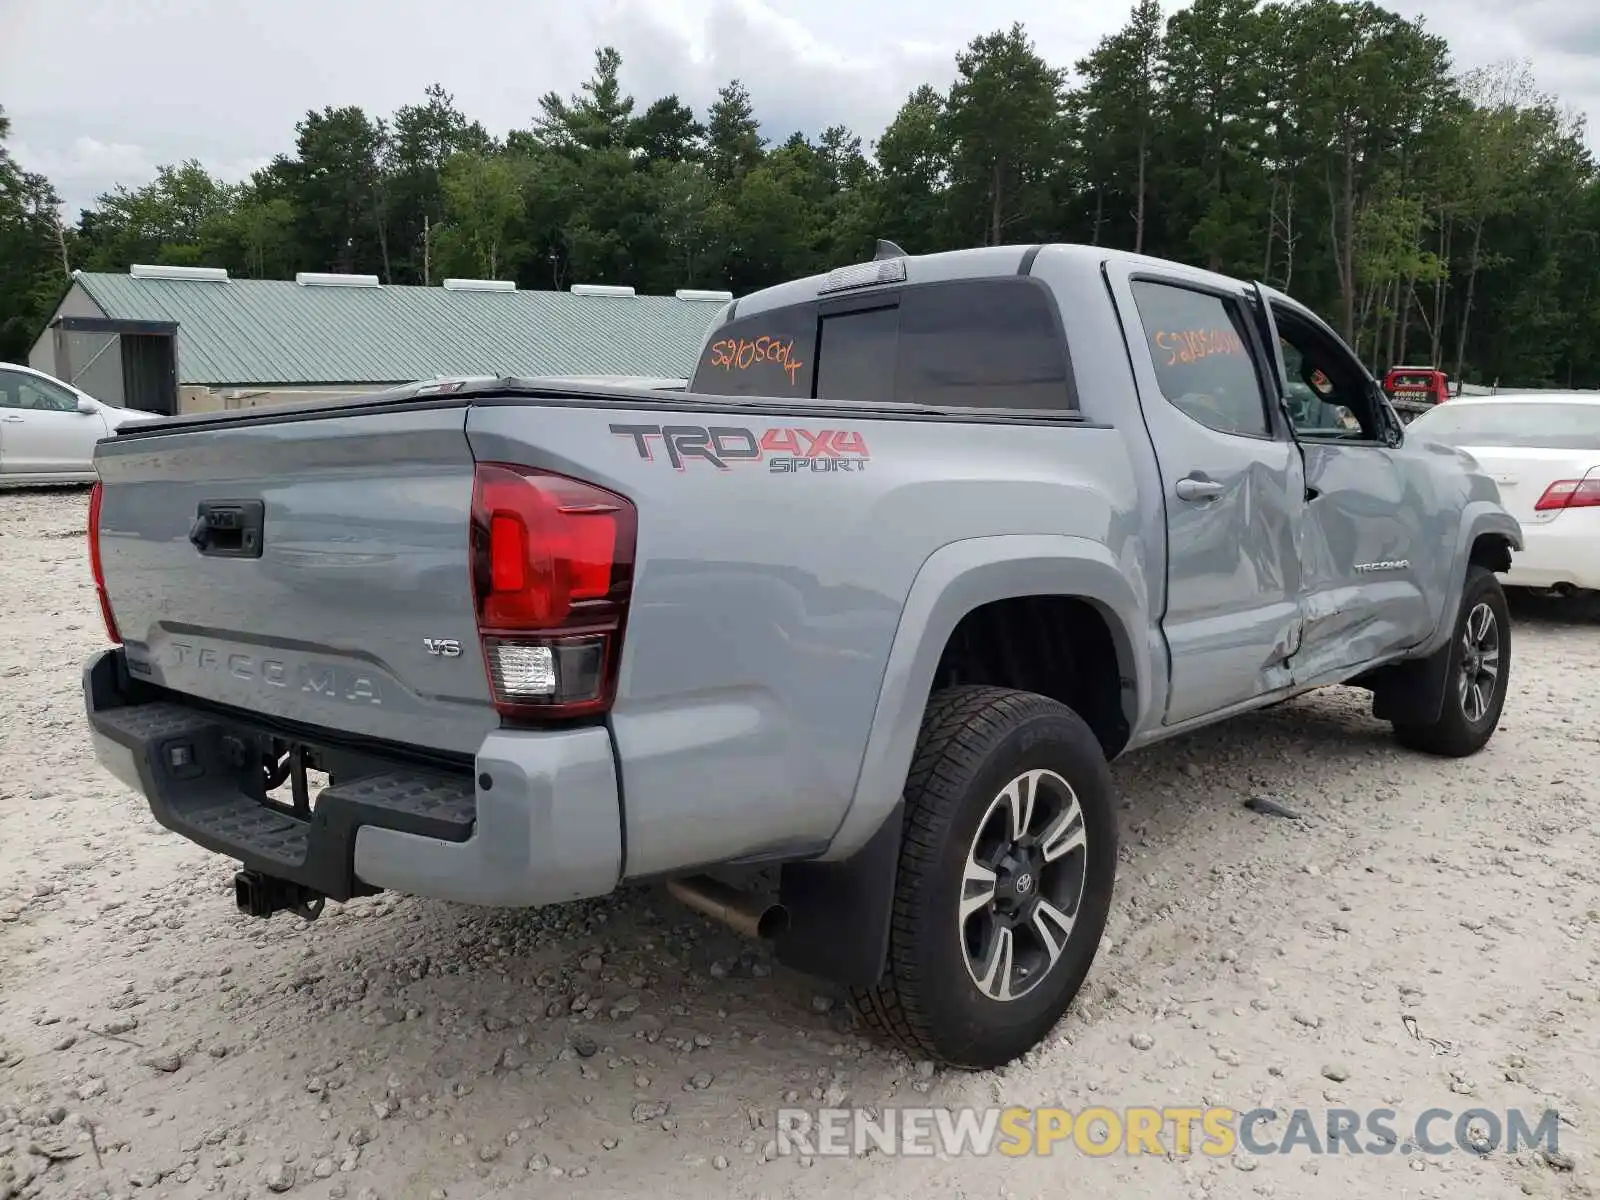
{"points": [[355, 611]]}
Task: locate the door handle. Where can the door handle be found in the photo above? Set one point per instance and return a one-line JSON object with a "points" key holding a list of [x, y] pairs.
{"points": [[1197, 489], [12, 420], [228, 530]]}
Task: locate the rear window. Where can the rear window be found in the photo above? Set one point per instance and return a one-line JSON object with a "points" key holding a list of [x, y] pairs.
{"points": [[856, 355], [1411, 382], [985, 343], [1524, 424], [773, 354]]}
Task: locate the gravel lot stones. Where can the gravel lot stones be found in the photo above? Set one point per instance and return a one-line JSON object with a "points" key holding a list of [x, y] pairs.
{"points": [[1449, 937]]}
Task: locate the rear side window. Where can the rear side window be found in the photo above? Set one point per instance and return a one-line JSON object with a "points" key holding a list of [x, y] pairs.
{"points": [[1202, 358], [29, 391], [980, 344]]}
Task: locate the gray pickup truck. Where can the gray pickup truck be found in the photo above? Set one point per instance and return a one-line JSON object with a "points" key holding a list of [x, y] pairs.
{"points": [[865, 612]]}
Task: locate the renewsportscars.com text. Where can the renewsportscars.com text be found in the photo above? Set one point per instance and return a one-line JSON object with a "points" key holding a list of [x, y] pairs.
{"points": [[1209, 1131]]}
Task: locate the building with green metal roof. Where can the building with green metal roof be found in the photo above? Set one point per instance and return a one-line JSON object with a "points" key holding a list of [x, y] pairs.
{"points": [[155, 334]]}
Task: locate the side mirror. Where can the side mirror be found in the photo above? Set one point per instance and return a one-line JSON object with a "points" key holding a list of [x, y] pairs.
{"points": [[87, 406]]}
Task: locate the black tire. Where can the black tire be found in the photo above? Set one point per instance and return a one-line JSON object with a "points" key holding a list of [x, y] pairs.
{"points": [[974, 742], [1456, 732]]}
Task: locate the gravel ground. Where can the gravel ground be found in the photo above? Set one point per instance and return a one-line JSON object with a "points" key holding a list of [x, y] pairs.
{"points": [[1426, 936]]}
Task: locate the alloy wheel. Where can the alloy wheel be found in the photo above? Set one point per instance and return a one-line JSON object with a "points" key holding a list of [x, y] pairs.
{"points": [[1023, 884], [1480, 663]]}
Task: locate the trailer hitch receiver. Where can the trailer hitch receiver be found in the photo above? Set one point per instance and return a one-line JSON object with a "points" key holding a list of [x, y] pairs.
{"points": [[259, 895]]}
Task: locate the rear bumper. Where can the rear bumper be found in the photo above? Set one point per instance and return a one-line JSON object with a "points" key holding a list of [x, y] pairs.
{"points": [[1564, 551], [536, 821]]}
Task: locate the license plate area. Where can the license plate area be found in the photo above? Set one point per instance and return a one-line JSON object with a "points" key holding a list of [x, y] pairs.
{"points": [[290, 775]]}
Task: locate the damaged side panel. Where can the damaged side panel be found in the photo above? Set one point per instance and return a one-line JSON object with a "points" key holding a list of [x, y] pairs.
{"points": [[1365, 554], [1233, 619]]}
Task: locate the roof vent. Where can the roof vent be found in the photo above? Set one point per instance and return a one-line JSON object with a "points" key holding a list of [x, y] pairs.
{"points": [[601, 289], [329, 279], [196, 274], [706, 297], [480, 285]]}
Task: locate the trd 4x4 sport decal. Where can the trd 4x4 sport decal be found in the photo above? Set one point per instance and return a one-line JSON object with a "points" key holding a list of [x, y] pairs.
{"points": [[786, 451]]}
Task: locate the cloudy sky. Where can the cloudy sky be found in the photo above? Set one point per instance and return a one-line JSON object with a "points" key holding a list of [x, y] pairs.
{"points": [[100, 91]]}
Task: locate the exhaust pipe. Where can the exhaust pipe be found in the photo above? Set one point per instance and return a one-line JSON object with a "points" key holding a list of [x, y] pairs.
{"points": [[740, 911]]}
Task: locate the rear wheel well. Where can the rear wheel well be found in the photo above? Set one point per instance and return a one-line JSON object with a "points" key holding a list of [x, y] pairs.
{"points": [[1492, 551], [1057, 646]]}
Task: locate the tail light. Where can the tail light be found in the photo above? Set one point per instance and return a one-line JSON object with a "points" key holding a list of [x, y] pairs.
{"points": [[96, 568], [1571, 493], [552, 565]]}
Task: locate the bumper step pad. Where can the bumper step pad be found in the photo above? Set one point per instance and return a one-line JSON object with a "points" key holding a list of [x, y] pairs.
{"points": [[197, 771]]}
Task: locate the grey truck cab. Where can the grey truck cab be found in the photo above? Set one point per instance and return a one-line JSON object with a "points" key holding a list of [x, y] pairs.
{"points": [[926, 542]]}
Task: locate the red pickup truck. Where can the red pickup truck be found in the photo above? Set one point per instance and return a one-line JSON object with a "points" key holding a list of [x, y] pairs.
{"points": [[1414, 390]]}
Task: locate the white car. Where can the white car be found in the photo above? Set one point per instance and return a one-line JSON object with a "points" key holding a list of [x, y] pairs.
{"points": [[48, 428], [1543, 452]]}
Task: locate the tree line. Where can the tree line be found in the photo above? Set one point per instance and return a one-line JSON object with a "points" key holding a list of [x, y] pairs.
{"points": [[1327, 148]]}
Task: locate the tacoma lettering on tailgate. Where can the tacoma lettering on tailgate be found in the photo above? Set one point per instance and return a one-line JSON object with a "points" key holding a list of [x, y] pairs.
{"points": [[785, 450], [317, 679]]}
